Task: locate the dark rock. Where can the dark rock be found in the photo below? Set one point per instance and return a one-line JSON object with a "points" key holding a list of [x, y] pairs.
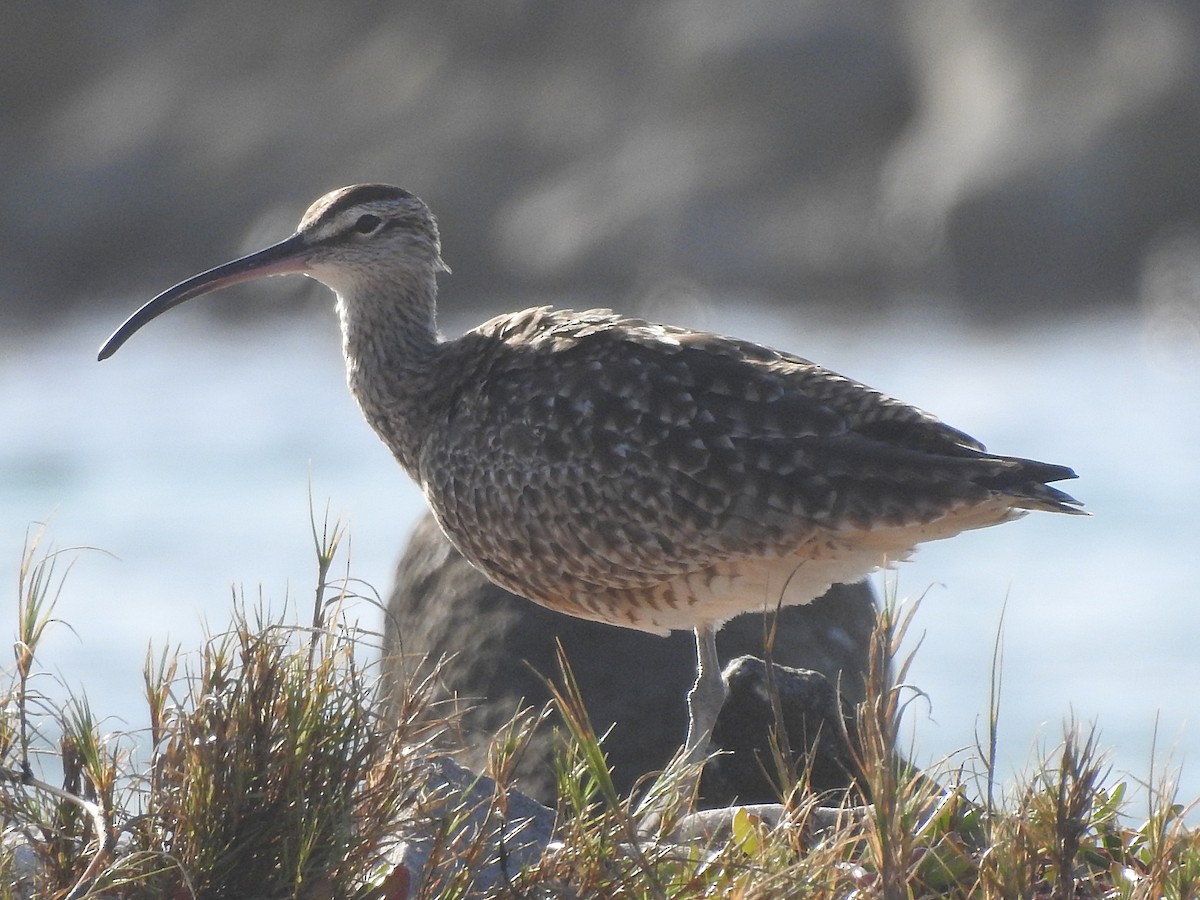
{"points": [[820, 730], [501, 648]]}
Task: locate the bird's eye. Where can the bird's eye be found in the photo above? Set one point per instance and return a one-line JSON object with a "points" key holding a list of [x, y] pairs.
{"points": [[367, 223]]}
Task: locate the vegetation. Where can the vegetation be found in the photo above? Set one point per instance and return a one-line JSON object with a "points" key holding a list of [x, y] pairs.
{"points": [[273, 773]]}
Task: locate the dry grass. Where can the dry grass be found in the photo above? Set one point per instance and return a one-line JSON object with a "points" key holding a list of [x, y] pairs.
{"points": [[270, 775]]}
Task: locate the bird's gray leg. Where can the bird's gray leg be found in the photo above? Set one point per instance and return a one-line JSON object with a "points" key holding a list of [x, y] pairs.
{"points": [[706, 696], [681, 779]]}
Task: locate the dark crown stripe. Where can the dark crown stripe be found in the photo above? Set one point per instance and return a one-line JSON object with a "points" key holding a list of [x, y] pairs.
{"points": [[365, 193]]}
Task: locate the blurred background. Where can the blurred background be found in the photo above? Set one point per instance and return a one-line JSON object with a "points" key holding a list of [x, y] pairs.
{"points": [[990, 209]]}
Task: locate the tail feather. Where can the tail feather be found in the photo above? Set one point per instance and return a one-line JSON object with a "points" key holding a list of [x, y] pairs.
{"points": [[1028, 481]]}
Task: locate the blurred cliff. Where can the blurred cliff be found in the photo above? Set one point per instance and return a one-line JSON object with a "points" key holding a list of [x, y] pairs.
{"points": [[1012, 156]]}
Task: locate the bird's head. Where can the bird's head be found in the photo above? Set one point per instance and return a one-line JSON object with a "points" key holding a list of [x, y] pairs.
{"points": [[347, 238]]}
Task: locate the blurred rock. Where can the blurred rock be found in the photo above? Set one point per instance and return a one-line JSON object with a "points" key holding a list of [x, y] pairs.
{"points": [[1015, 156], [22, 864], [501, 649], [1089, 122]]}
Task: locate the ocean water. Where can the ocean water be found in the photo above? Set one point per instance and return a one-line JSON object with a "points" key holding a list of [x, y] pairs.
{"points": [[188, 459]]}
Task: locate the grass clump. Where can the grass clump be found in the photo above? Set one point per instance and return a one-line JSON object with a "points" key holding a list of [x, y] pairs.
{"points": [[270, 773]]}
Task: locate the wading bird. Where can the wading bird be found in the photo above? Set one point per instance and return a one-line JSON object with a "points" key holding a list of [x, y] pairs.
{"points": [[644, 475]]}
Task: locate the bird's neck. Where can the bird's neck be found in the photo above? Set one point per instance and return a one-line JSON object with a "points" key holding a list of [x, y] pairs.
{"points": [[390, 341]]}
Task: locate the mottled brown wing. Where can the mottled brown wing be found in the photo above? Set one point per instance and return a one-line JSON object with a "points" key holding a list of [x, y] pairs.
{"points": [[625, 452]]}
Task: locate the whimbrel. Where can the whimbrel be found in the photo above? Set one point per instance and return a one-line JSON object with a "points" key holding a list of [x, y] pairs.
{"points": [[643, 475]]}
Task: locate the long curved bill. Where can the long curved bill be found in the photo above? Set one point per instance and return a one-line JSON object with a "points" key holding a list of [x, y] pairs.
{"points": [[290, 255]]}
